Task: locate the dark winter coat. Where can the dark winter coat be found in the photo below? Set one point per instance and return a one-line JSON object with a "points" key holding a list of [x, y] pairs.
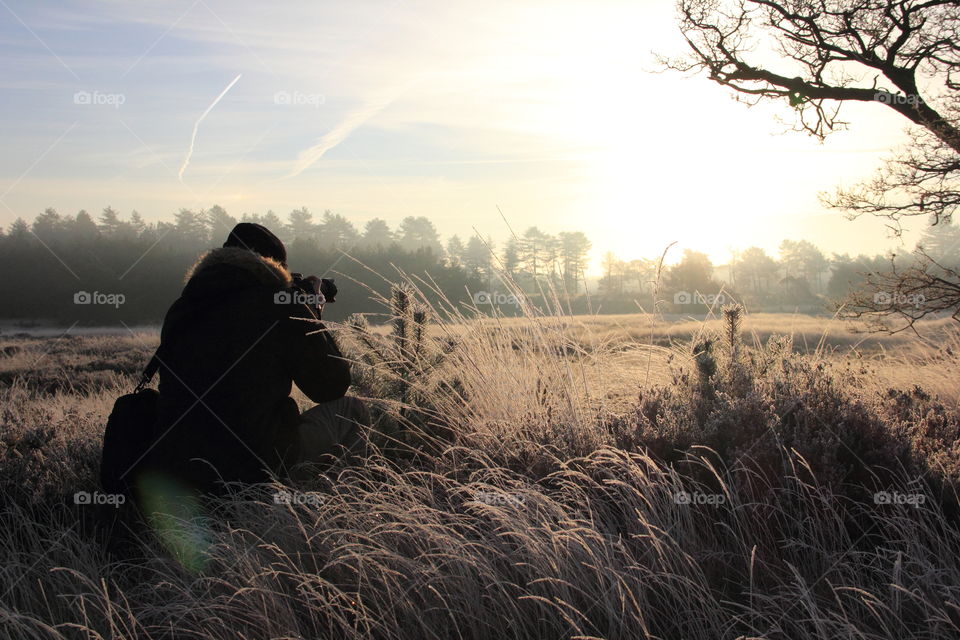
{"points": [[230, 349]]}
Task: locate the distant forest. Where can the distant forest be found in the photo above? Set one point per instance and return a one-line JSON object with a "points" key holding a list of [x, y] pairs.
{"points": [[136, 269]]}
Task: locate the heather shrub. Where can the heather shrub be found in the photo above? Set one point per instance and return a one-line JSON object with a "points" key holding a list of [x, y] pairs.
{"points": [[755, 405]]}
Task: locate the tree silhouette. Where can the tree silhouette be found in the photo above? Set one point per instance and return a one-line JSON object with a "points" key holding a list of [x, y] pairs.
{"points": [[614, 271], [190, 227], [84, 229], [456, 251], [692, 275], [756, 270], [848, 273], [419, 233], [573, 247], [136, 222], [478, 258], [18, 230], [942, 243], [511, 257], [48, 226], [801, 259], [532, 252], [335, 231], [301, 223], [377, 234], [219, 223], [110, 223], [643, 271]]}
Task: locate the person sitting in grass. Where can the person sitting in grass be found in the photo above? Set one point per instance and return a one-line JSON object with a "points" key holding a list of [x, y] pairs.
{"points": [[242, 332]]}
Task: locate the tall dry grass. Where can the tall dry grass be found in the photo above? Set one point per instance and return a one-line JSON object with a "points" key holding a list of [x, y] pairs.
{"points": [[527, 480]]}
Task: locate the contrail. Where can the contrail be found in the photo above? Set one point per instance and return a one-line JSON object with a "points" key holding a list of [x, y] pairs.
{"points": [[340, 132], [196, 126]]}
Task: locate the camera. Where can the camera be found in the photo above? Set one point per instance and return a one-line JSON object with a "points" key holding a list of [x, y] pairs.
{"points": [[327, 287]]}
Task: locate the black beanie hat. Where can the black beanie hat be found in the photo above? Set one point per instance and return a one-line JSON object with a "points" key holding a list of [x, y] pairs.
{"points": [[259, 239]]}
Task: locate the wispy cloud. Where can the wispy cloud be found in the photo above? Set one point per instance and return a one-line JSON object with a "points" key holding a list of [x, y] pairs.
{"points": [[196, 126]]}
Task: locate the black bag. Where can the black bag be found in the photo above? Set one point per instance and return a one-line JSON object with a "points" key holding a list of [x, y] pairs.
{"points": [[129, 435]]}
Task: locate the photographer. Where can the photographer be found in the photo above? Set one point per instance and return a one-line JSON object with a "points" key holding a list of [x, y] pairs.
{"points": [[242, 332]]}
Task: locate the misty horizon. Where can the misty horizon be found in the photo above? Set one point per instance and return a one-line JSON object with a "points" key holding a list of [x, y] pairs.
{"points": [[671, 251]]}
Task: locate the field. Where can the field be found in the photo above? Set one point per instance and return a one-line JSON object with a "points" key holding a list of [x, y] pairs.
{"points": [[766, 476]]}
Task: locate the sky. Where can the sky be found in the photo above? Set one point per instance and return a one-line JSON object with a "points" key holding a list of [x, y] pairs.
{"points": [[554, 113]]}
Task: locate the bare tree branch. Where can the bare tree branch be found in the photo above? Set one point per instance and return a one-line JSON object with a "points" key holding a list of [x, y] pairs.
{"points": [[818, 54], [831, 44]]}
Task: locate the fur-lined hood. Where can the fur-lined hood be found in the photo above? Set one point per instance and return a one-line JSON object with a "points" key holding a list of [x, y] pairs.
{"points": [[266, 270]]}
